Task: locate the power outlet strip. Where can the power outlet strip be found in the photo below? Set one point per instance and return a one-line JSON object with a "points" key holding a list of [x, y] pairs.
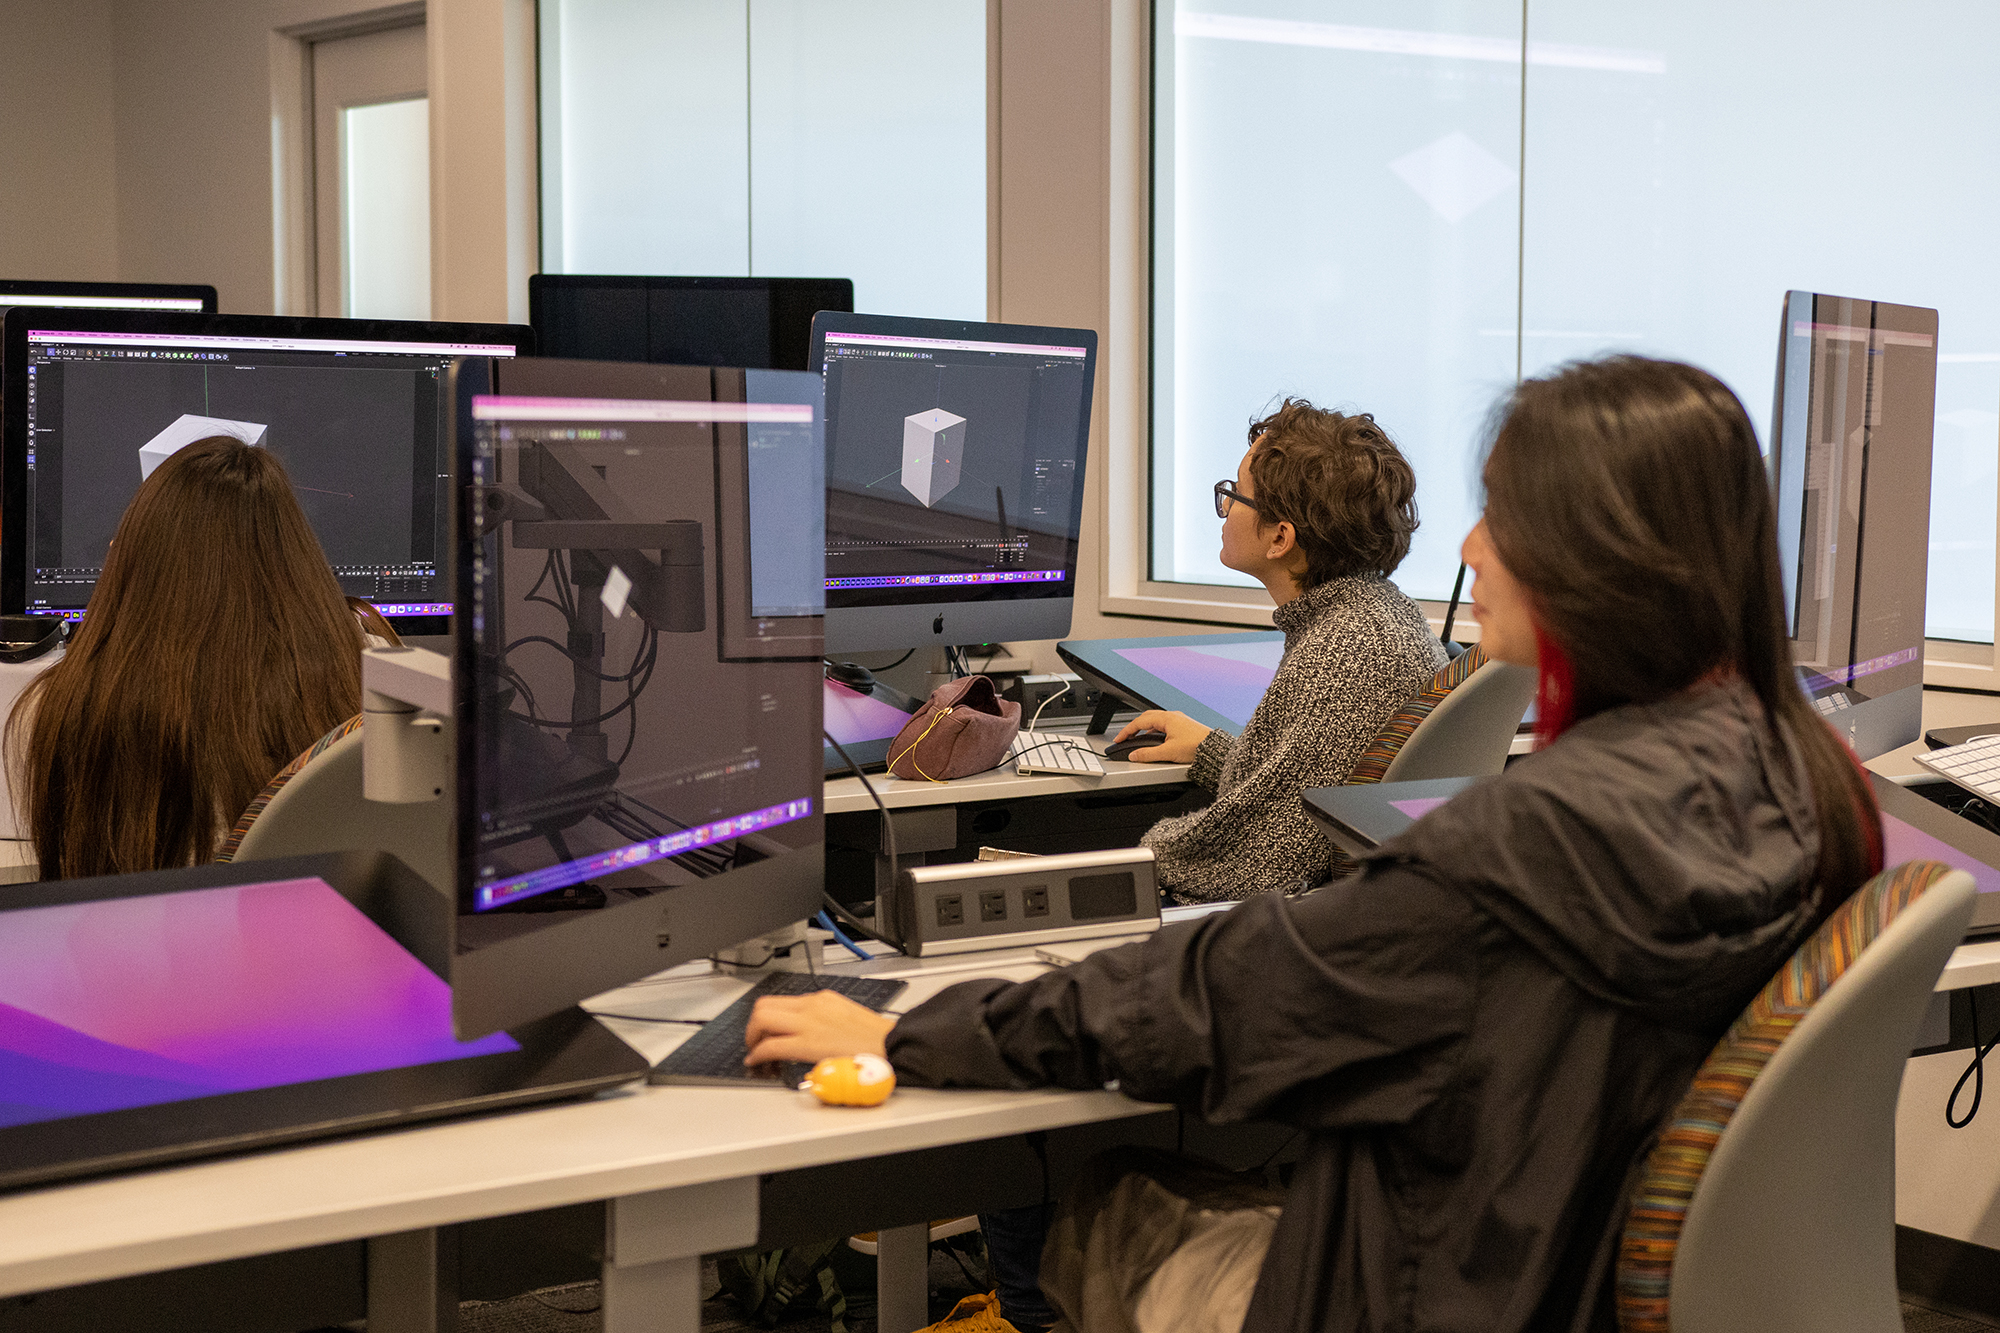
{"points": [[1026, 900], [1035, 691]]}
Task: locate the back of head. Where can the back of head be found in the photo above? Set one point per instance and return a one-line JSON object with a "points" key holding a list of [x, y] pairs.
{"points": [[1342, 484], [1629, 499], [215, 648]]}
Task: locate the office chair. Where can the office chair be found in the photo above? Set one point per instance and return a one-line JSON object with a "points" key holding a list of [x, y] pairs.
{"points": [[315, 804], [1460, 726], [1769, 1200]]}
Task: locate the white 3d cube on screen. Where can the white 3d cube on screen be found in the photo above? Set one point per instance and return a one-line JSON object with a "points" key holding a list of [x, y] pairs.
{"points": [[933, 448], [188, 428]]}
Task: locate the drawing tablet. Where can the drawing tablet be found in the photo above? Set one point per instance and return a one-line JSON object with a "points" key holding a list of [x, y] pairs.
{"points": [[1216, 679], [152, 1017]]}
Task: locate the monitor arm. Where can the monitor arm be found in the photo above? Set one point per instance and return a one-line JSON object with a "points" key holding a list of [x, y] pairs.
{"points": [[406, 745]]}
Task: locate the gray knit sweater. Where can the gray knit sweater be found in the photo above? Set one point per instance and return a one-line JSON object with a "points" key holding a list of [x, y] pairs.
{"points": [[1356, 650]]}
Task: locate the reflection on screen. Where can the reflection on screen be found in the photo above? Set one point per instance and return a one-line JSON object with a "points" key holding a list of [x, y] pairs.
{"points": [[1228, 677], [640, 725], [1857, 400], [131, 1002], [852, 716]]}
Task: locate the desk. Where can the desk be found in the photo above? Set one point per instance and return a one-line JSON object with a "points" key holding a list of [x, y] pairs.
{"points": [[681, 1169]]}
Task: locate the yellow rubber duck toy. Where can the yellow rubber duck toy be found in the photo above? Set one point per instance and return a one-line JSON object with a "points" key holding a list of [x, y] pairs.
{"points": [[851, 1080]]}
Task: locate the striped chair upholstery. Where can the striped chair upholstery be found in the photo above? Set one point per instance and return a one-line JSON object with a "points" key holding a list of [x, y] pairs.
{"points": [[1381, 751], [276, 784], [1674, 1168]]}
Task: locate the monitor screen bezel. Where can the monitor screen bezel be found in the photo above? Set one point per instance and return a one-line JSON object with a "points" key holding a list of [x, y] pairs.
{"points": [[14, 414], [542, 285]]}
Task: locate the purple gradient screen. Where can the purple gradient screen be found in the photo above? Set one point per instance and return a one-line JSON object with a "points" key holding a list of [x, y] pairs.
{"points": [[1419, 806], [853, 716], [1229, 677], [1906, 842], [128, 1002]]}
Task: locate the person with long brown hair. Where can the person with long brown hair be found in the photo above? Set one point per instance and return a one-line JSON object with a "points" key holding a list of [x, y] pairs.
{"points": [[216, 647], [1479, 1033]]}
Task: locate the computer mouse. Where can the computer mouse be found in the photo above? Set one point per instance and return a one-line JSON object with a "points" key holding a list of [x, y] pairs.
{"points": [[1138, 740], [851, 674]]}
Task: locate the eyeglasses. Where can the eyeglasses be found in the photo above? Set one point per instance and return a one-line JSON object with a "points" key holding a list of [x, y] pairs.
{"points": [[1225, 495]]}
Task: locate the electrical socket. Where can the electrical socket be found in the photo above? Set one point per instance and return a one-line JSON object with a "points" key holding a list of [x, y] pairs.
{"points": [[993, 905], [1035, 900], [951, 910]]}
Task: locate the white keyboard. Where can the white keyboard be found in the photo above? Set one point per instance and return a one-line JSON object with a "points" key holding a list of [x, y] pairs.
{"points": [[1974, 765], [1053, 752]]}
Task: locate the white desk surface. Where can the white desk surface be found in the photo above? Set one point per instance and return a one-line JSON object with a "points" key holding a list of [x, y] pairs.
{"points": [[630, 1141]]}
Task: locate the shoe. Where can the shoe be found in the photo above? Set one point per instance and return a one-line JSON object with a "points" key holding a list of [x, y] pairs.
{"points": [[974, 1314]]}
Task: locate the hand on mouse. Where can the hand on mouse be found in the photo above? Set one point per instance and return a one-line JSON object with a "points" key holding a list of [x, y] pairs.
{"points": [[1183, 734]]}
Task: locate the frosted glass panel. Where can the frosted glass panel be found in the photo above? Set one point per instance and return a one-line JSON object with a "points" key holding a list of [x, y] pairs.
{"points": [[1336, 217], [652, 120], [385, 187], [868, 149], [781, 138], [1841, 147]]}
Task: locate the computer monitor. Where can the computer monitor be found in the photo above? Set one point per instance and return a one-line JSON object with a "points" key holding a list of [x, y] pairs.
{"points": [[761, 323], [198, 298], [955, 456], [1851, 427], [354, 408], [637, 671]]}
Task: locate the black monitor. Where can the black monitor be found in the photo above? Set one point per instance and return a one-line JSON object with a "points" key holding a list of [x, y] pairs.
{"points": [[355, 408], [955, 457], [198, 298], [760, 323], [1850, 457], [637, 672]]}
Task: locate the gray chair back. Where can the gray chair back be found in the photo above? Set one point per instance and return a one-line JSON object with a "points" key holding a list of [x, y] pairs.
{"points": [[1468, 734], [1792, 1224], [321, 809]]}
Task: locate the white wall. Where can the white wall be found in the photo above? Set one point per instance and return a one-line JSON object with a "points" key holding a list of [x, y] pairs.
{"points": [[57, 187]]}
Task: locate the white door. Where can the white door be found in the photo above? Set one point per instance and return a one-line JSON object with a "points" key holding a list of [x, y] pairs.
{"points": [[371, 175]]}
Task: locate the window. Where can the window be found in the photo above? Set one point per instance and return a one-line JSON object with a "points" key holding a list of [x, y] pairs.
{"points": [[800, 138], [1392, 207]]}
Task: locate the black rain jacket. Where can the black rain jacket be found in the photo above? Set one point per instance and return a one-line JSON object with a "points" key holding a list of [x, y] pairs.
{"points": [[1480, 1033]]}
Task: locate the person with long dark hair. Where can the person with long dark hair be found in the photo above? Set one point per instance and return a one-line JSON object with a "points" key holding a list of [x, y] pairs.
{"points": [[1479, 1033], [216, 647]]}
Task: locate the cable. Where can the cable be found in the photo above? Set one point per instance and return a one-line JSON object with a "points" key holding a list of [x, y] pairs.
{"points": [[1976, 1071], [840, 936], [1451, 612], [1051, 699], [872, 670], [888, 836]]}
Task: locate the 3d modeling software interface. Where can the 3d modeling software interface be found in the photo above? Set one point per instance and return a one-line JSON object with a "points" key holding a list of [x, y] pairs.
{"points": [[951, 463], [357, 425]]}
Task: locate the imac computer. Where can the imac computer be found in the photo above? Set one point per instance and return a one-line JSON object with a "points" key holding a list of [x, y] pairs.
{"points": [[760, 323], [1851, 462], [955, 456], [356, 409], [636, 672], [198, 298]]}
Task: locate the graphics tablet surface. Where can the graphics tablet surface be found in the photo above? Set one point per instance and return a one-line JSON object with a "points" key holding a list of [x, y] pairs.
{"points": [[150, 1017], [863, 723], [1216, 679]]}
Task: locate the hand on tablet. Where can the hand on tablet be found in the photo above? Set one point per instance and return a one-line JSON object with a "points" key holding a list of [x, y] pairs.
{"points": [[1183, 735]]}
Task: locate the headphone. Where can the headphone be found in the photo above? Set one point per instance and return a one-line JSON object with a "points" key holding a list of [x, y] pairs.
{"points": [[24, 638]]}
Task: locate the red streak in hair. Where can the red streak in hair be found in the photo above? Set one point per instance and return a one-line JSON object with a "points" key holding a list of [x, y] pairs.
{"points": [[1555, 692]]}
